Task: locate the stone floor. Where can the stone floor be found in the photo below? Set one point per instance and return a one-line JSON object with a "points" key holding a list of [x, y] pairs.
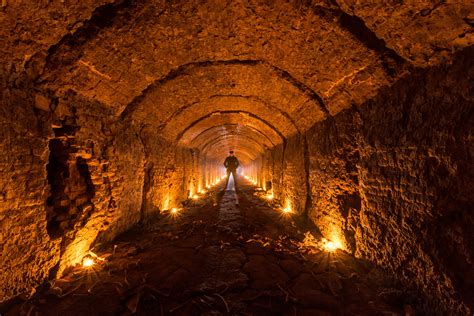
{"points": [[230, 252]]}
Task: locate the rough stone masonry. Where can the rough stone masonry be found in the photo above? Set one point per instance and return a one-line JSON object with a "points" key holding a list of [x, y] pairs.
{"points": [[359, 114]]}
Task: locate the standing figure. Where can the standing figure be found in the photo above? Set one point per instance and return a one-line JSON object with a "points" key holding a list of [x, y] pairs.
{"points": [[231, 163]]}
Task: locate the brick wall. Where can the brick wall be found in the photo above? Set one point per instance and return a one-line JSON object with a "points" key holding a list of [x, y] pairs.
{"points": [[172, 174], [293, 189], [24, 262], [76, 177], [392, 180]]}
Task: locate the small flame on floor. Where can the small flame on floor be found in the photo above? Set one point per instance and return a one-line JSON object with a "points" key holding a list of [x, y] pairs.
{"points": [[286, 210], [331, 246], [174, 212], [88, 262]]}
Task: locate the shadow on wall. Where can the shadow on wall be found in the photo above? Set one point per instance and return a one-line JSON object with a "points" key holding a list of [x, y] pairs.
{"points": [[70, 183]]}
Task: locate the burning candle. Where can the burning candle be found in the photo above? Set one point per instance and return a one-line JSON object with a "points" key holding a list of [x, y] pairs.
{"points": [[88, 261]]}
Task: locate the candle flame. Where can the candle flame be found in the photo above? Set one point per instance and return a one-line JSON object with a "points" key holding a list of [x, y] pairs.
{"points": [[174, 212], [88, 262], [286, 210], [331, 246]]}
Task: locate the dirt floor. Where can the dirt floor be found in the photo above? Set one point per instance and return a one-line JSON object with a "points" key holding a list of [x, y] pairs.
{"points": [[230, 252]]}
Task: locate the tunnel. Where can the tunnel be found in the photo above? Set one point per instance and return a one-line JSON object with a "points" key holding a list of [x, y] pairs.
{"points": [[352, 122]]}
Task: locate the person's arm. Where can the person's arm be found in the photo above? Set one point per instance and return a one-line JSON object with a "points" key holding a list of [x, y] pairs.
{"points": [[226, 162], [236, 162]]}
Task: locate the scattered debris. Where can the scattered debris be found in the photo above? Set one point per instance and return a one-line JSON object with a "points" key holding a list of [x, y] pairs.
{"points": [[154, 269]]}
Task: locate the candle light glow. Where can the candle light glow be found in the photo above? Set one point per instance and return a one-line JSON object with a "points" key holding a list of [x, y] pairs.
{"points": [[331, 246], [88, 262]]}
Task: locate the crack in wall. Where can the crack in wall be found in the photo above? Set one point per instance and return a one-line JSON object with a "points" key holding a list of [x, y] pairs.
{"points": [[69, 48], [393, 64], [148, 177]]}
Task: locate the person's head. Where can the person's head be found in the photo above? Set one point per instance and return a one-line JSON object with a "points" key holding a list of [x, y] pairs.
{"points": [[231, 153]]}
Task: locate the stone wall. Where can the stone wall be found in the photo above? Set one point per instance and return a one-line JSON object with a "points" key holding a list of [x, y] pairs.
{"points": [[172, 174], [415, 174], [293, 189], [96, 187], [392, 181], [333, 155], [24, 262], [74, 176], [277, 154]]}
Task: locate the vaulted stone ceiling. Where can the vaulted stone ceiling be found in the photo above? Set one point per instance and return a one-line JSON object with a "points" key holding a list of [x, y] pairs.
{"points": [[219, 75]]}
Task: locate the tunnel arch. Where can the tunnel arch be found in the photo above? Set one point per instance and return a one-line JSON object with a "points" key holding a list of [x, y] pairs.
{"points": [[219, 118], [209, 132], [218, 103], [201, 88], [242, 149], [196, 66], [240, 141]]}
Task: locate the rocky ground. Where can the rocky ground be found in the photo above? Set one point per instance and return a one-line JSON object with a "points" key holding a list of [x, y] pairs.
{"points": [[229, 252]]}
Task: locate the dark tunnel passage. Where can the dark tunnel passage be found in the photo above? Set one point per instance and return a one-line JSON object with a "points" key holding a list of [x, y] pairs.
{"points": [[352, 123]]}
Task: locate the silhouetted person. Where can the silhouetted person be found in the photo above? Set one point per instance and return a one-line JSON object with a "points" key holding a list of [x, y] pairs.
{"points": [[231, 163]]}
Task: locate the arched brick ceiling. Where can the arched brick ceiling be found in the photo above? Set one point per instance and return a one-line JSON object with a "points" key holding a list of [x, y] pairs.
{"points": [[245, 151], [274, 66], [124, 59], [245, 85], [209, 135], [244, 154], [232, 137], [254, 123], [186, 100]]}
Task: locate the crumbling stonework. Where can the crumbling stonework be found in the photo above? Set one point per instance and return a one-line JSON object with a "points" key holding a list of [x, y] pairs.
{"points": [[24, 262], [92, 187]]}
